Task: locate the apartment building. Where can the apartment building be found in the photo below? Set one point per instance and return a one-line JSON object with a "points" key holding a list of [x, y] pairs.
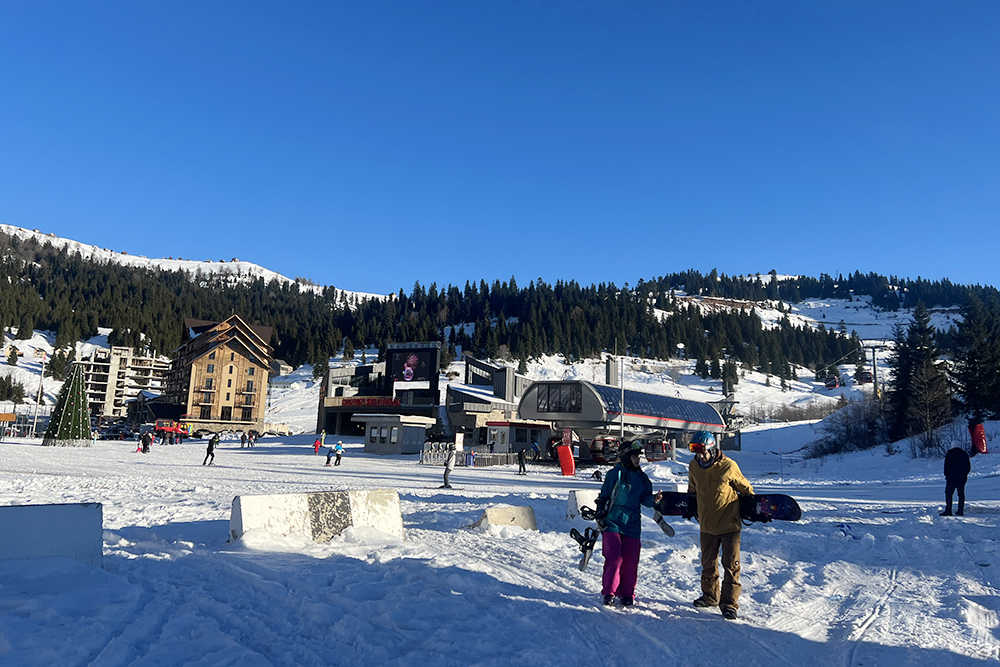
{"points": [[117, 375]]}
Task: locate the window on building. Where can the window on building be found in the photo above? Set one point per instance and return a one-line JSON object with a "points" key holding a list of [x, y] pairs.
{"points": [[248, 414], [210, 368], [227, 413], [251, 371], [208, 383], [249, 385], [394, 435], [373, 435], [227, 396], [232, 356], [384, 433], [521, 435], [231, 369], [211, 355], [560, 398], [229, 382], [206, 412], [206, 398]]}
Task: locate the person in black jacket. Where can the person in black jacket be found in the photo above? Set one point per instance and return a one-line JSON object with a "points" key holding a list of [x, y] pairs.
{"points": [[210, 454], [956, 472]]}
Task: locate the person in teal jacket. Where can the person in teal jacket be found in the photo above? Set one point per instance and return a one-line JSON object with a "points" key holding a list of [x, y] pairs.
{"points": [[626, 489]]}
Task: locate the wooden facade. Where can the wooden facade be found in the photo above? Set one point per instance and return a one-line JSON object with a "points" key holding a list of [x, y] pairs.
{"points": [[219, 375]]}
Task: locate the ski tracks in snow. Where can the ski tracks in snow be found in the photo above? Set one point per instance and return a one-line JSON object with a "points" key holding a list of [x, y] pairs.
{"points": [[861, 627]]}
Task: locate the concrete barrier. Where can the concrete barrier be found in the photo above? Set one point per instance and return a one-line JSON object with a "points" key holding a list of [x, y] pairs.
{"points": [[508, 516], [578, 498], [319, 516], [53, 531]]}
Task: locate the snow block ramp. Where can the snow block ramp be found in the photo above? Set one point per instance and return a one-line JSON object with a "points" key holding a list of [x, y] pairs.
{"points": [[581, 498], [319, 516], [522, 516], [53, 531]]}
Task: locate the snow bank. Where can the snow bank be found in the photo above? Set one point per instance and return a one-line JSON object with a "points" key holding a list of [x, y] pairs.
{"points": [[53, 531]]}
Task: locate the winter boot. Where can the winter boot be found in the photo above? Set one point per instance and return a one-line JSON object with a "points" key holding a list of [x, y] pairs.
{"points": [[729, 613], [703, 602], [609, 600], [945, 513], [628, 602]]}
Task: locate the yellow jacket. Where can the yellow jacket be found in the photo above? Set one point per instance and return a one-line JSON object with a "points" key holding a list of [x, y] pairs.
{"points": [[716, 489]]}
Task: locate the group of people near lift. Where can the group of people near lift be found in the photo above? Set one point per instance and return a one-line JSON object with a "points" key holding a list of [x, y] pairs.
{"points": [[716, 481]]}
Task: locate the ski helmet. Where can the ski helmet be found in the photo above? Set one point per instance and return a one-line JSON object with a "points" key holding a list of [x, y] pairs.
{"points": [[630, 449], [703, 441]]}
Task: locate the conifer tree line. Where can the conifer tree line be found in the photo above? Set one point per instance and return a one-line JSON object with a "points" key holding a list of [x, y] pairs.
{"points": [[52, 289], [938, 377]]}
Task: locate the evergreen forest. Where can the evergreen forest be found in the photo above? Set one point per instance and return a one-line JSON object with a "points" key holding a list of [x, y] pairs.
{"points": [[49, 288]]}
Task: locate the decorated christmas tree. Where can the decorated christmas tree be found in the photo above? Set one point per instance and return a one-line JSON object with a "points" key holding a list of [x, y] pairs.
{"points": [[70, 423]]}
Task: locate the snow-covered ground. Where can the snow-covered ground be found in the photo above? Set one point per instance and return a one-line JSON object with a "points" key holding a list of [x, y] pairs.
{"points": [[870, 576]]}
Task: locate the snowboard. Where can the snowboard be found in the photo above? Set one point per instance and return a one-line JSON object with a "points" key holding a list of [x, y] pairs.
{"points": [[769, 507], [761, 508], [667, 529], [587, 541], [591, 515], [674, 503]]}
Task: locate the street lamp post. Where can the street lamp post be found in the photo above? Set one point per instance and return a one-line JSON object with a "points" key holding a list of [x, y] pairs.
{"points": [[38, 397]]}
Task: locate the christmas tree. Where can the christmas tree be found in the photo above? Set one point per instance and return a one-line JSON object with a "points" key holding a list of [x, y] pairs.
{"points": [[70, 423]]}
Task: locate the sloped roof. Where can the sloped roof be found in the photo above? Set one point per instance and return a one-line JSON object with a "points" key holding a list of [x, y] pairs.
{"points": [[194, 328], [655, 405]]}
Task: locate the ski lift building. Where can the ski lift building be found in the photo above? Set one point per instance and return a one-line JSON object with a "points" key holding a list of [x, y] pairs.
{"points": [[591, 409]]}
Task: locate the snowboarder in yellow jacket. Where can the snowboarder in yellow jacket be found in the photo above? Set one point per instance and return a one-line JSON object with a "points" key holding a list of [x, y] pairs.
{"points": [[717, 482]]}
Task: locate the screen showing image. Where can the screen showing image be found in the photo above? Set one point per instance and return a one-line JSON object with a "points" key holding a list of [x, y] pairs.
{"points": [[411, 365]]}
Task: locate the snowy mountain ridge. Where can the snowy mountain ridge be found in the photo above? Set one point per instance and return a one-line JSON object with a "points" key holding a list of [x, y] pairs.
{"points": [[235, 269]]}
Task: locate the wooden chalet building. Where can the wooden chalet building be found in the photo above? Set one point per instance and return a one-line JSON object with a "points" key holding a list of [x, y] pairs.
{"points": [[219, 375]]}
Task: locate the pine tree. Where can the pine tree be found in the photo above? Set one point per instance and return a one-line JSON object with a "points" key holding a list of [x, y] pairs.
{"points": [[977, 360], [70, 422], [929, 406], [12, 356], [917, 378]]}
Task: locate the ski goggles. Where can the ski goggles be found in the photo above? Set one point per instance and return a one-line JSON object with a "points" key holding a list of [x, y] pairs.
{"points": [[699, 447]]}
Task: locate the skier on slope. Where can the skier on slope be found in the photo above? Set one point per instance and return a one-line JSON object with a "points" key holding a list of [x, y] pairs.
{"points": [[717, 482], [626, 488]]}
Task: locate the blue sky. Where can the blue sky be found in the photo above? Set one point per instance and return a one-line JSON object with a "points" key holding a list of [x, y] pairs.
{"points": [[369, 145]]}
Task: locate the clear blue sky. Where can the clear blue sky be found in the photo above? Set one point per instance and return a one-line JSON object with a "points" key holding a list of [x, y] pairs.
{"points": [[369, 145]]}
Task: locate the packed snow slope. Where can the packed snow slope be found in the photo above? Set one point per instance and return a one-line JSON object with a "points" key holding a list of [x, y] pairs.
{"points": [[871, 575]]}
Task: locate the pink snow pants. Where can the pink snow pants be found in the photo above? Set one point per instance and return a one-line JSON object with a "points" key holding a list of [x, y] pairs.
{"points": [[621, 564]]}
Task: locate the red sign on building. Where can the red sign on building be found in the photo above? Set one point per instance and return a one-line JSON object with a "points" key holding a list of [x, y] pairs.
{"points": [[371, 402]]}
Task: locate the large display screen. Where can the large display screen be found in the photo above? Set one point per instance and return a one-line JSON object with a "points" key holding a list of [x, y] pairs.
{"points": [[412, 365]]}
